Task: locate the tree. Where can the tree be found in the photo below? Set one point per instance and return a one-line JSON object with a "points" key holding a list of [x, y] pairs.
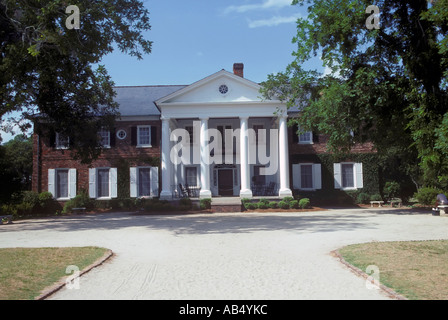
{"points": [[16, 166], [387, 85], [47, 69]]}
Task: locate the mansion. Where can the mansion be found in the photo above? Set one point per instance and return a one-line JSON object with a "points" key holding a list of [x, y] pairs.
{"points": [[215, 137]]}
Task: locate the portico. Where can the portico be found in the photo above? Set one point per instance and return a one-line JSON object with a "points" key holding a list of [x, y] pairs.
{"points": [[220, 135]]}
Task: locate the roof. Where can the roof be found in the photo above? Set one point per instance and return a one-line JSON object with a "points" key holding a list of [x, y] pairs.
{"points": [[139, 100]]}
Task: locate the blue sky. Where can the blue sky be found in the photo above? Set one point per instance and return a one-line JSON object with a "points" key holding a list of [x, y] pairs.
{"points": [[196, 38]]}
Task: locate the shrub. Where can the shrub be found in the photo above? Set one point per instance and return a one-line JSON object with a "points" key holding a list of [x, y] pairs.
{"points": [[9, 209], [263, 205], [362, 198], [283, 205], [288, 199], [376, 197], [427, 195], [82, 200], [205, 204], [31, 198], [304, 203], [294, 204], [391, 189], [273, 205], [245, 200], [250, 206]]}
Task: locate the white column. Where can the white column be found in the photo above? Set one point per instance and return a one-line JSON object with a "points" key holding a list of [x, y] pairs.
{"points": [[283, 158], [205, 155], [245, 191], [166, 162]]}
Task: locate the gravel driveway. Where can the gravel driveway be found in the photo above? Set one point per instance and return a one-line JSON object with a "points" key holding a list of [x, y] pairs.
{"points": [[224, 256]]}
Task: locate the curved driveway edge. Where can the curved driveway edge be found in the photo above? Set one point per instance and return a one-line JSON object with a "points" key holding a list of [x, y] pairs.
{"points": [[47, 292], [225, 256]]}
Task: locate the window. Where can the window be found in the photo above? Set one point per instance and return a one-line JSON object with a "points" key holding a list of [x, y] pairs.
{"points": [[103, 183], [348, 175], [104, 136], [306, 137], [307, 176], [144, 136], [191, 176], [144, 181], [62, 183], [348, 180], [61, 142]]}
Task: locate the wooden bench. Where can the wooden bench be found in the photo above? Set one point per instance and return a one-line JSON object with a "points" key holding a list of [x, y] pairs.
{"points": [[379, 203], [78, 210], [442, 208], [6, 217]]}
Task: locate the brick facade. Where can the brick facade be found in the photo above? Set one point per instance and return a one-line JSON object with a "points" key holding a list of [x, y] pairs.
{"points": [[46, 156]]}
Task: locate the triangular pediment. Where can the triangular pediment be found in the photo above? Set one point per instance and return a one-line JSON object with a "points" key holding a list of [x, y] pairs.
{"points": [[220, 87]]}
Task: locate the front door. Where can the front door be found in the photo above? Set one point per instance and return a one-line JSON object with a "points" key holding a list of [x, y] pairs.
{"points": [[225, 182]]}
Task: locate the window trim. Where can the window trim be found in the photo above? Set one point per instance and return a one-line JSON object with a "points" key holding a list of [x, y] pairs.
{"points": [[353, 164], [93, 184], [56, 183], [141, 145], [138, 181], [312, 177]]}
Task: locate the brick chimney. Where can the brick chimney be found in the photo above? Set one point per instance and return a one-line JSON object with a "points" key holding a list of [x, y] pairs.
{"points": [[238, 69]]}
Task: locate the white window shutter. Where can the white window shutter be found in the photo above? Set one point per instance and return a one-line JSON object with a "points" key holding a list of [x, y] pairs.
{"points": [[113, 182], [154, 181], [317, 176], [337, 175], [72, 183], [92, 183], [296, 176], [51, 182], [133, 181], [359, 178]]}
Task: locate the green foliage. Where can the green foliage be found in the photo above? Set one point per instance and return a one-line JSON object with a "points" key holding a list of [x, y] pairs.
{"points": [[205, 204], [186, 202], [273, 205], [427, 195], [304, 203], [362, 198], [389, 86], [283, 204], [376, 197], [294, 204], [288, 199], [250, 206], [54, 71], [82, 200], [391, 189]]}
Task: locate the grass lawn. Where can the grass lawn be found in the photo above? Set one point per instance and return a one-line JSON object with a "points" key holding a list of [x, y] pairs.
{"points": [[25, 272], [415, 269]]}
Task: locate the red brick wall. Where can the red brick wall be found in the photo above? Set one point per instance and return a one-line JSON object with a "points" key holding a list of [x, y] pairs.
{"points": [[51, 158], [320, 145]]}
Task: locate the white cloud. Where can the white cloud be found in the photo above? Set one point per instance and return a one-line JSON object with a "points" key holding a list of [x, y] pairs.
{"points": [[267, 4], [272, 22]]}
